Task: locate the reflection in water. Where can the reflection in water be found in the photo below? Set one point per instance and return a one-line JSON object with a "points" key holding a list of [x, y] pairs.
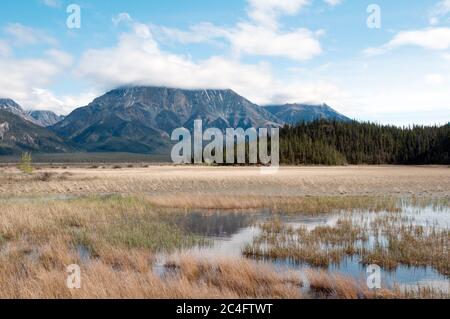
{"points": [[218, 225], [231, 232]]}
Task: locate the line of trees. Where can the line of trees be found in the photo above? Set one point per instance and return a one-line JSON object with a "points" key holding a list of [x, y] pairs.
{"points": [[339, 143]]}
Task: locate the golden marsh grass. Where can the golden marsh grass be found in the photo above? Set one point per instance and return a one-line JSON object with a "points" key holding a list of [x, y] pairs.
{"points": [[397, 181], [45, 226]]}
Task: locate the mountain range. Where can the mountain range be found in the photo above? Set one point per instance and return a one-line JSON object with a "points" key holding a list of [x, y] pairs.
{"points": [[38, 117], [141, 119], [293, 114], [18, 135], [45, 118]]}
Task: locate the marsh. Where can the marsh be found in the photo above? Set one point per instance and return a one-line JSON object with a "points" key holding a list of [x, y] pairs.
{"points": [[193, 232]]}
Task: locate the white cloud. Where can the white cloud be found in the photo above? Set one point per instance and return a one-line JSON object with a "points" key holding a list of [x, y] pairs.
{"points": [[434, 79], [199, 33], [267, 12], [60, 57], [121, 17], [434, 21], [5, 49], [313, 92], [52, 3], [426, 105], [441, 9], [20, 77], [260, 35], [43, 99], [263, 36], [334, 3], [300, 44], [138, 60], [433, 38], [430, 38], [249, 39], [24, 35]]}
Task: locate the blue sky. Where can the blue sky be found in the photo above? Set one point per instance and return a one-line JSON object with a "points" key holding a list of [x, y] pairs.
{"points": [[270, 51]]}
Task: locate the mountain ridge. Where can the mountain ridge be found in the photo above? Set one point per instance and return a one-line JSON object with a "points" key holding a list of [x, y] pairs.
{"points": [[9, 105], [42, 118], [295, 113], [133, 114], [18, 135], [140, 119], [45, 118]]}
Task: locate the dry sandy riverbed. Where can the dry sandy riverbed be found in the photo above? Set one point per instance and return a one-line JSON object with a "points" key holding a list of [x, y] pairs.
{"points": [[427, 181]]}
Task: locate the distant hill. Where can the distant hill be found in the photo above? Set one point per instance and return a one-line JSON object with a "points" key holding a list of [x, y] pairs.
{"points": [[45, 118], [18, 135], [141, 119], [297, 113]]}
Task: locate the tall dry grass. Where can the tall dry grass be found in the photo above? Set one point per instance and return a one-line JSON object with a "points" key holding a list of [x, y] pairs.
{"points": [[39, 272], [326, 285], [289, 181], [128, 222], [114, 239], [300, 205]]}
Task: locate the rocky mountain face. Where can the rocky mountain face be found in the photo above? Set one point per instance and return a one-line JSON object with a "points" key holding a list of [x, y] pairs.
{"points": [[141, 119], [18, 135], [45, 118], [11, 106], [38, 117], [293, 114]]}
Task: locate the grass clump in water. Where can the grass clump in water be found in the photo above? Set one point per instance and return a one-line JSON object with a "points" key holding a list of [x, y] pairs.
{"points": [[389, 241], [319, 247], [410, 245]]}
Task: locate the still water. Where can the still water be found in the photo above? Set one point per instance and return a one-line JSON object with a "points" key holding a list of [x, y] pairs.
{"points": [[229, 233]]}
